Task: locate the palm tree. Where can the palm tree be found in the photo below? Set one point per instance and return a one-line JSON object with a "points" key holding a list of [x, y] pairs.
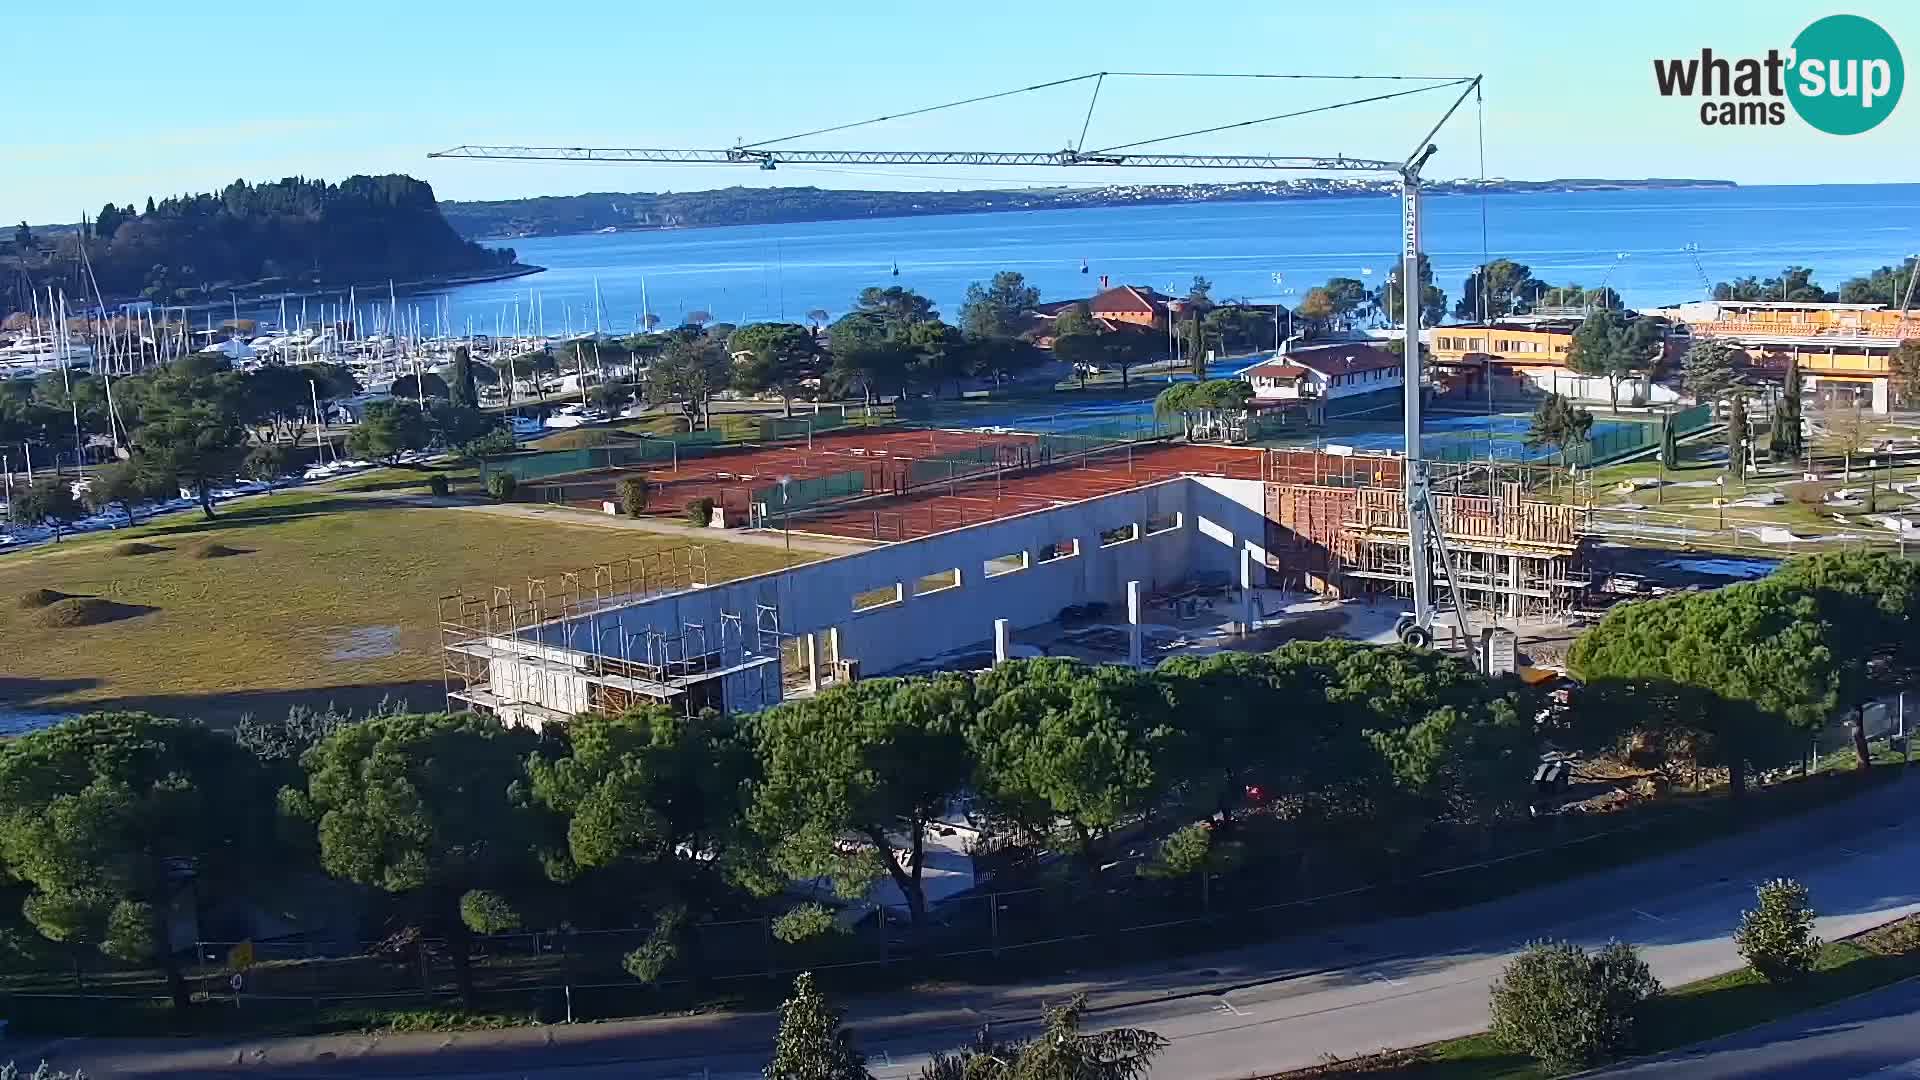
{"points": [[1061, 1052]]}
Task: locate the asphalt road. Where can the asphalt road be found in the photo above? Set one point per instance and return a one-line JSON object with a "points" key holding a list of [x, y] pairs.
{"points": [[1874, 1035], [1279, 1005]]}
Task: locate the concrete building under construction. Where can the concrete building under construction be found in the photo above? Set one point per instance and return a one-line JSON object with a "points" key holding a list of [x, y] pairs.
{"points": [[1164, 537]]}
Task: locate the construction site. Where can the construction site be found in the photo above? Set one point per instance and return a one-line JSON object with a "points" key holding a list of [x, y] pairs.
{"points": [[988, 545]]}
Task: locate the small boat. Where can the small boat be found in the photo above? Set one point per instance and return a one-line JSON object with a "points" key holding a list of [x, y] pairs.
{"points": [[896, 268], [1083, 266]]}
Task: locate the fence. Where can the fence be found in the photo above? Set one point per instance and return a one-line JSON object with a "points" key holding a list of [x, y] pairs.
{"points": [[807, 491], [1617, 439], [625, 451]]}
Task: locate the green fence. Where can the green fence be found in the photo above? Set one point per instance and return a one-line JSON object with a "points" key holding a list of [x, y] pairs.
{"points": [[1616, 441], [1688, 421], [801, 493]]}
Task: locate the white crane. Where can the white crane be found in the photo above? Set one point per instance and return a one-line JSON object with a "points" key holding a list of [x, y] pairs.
{"points": [[1424, 537]]}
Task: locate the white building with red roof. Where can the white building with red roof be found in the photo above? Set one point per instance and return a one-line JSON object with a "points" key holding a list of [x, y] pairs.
{"points": [[1326, 373]]}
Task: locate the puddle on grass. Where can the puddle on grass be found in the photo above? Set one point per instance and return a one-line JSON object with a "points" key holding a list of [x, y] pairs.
{"points": [[365, 643]]}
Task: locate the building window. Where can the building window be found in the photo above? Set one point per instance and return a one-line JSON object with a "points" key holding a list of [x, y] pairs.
{"points": [[1162, 523], [1125, 534], [1060, 549], [939, 582], [884, 596], [1001, 565]]}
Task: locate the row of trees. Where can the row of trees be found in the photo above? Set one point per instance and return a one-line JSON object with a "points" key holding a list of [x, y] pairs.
{"points": [[473, 827], [198, 423], [1741, 678]]}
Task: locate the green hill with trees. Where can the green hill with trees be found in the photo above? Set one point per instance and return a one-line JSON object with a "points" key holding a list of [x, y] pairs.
{"points": [[287, 235]]}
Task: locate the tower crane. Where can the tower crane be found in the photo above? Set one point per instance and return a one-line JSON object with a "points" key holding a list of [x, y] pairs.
{"points": [[1427, 546]]}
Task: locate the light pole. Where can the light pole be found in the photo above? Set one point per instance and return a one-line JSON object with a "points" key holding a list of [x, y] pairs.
{"points": [[1278, 292], [1618, 258]]}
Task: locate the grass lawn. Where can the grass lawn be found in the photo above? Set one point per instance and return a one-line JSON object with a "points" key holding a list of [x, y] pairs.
{"points": [[1684, 1015], [327, 597]]}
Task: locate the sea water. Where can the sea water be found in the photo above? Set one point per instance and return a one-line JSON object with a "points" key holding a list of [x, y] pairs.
{"points": [[748, 273]]}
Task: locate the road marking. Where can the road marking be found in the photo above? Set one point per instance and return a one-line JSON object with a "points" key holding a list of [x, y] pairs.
{"points": [[1384, 979], [1648, 915], [1226, 1006]]}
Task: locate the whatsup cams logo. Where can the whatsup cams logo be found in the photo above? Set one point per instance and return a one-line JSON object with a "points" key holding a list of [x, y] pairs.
{"points": [[1843, 76]]}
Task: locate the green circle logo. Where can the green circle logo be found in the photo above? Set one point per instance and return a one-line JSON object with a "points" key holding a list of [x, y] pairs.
{"points": [[1846, 75]]}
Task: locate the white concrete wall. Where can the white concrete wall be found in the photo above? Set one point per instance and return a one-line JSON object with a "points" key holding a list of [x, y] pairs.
{"points": [[1216, 518], [1593, 388]]}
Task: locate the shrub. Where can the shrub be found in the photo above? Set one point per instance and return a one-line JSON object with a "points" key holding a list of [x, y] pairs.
{"points": [[500, 486], [803, 922], [651, 959], [700, 511], [437, 484], [1183, 852], [135, 547], [634, 493], [487, 912], [1776, 938], [1568, 1007], [213, 549], [1809, 492]]}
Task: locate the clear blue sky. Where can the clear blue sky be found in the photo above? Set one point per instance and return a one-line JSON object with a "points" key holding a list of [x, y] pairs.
{"points": [[119, 101]]}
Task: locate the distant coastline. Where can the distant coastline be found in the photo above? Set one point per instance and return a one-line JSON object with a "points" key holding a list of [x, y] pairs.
{"points": [[612, 212]]}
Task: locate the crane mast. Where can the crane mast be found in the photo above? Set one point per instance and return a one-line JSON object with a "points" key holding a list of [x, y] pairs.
{"points": [[1424, 538]]}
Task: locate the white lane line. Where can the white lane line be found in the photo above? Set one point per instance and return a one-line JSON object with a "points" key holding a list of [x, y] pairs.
{"points": [[1648, 915], [1384, 979], [1226, 1006]]}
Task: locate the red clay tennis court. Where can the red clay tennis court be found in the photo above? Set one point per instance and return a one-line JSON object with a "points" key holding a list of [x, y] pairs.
{"points": [[897, 485], [982, 498]]}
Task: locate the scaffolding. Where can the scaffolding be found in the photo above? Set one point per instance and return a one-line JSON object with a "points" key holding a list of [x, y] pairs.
{"points": [[1513, 558], [558, 647]]}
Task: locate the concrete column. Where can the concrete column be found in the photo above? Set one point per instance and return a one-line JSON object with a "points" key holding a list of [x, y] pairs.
{"points": [[811, 644], [1513, 582], [1246, 590], [833, 636], [1000, 642], [1133, 623]]}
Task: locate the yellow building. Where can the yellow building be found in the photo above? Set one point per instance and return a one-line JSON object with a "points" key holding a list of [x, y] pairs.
{"points": [[1528, 346]]}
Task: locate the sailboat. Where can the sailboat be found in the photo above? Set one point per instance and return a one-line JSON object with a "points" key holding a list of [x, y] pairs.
{"points": [[896, 268], [1083, 266]]}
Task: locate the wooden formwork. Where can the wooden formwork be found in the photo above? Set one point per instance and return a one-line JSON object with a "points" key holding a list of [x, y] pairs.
{"points": [[1513, 554], [1480, 520]]}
